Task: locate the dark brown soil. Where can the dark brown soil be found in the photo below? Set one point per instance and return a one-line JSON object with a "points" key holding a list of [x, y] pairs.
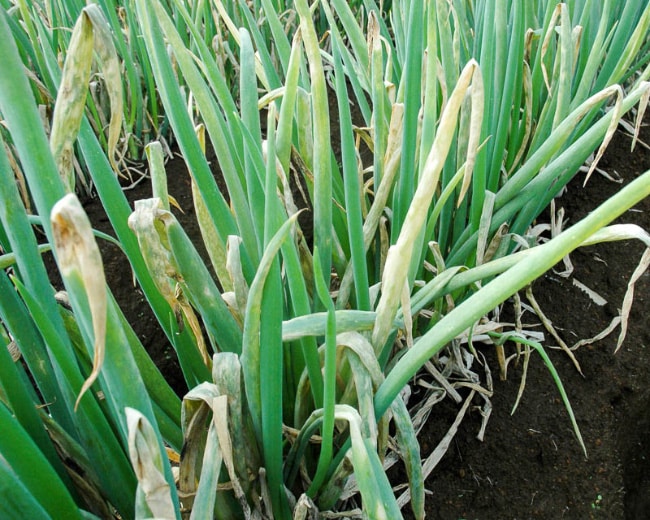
{"points": [[530, 464]]}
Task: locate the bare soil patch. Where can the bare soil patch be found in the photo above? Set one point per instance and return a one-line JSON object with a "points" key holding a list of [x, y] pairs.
{"points": [[530, 464]]}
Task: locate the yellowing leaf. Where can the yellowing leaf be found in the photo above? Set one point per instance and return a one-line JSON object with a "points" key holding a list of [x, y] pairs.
{"points": [[400, 254]]}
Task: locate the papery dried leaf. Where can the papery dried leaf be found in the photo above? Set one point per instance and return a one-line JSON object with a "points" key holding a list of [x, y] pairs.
{"points": [[373, 39], [629, 295], [90, 33], [19, 176], [146, 459], [546, 43], [110, 66], [593, 295], [496, 242], [618, 232], [197, 405], [526, 115], [71, 98], [375, 218], [367, 378], [432, 460], [78, 255], [611, 129], [195, 325], [379, 501], [206, 492], [643, 105], [409, 451], [305, 509], [406, 311], [602, 334], [551, 329], [231, 302], [234, 34]]}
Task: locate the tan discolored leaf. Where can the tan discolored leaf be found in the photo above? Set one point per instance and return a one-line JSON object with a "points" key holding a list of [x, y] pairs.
{"points": [[146, 460], [305, 509], [629, 295], [477, 94], [375, 219], [611, 129], [147, 222], [206, 491], [401, 253], [90, 33], [643, 105], [376, 493], [78, 257], [220, 419], [71, 98], [110, 66], [593, 295], [156, 255]]}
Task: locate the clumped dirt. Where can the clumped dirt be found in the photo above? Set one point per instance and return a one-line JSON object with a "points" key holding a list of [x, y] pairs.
{"points": [[529, 464]]}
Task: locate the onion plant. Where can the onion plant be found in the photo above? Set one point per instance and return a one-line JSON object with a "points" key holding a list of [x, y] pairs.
{"points": [[458, 123], [43, 31]]}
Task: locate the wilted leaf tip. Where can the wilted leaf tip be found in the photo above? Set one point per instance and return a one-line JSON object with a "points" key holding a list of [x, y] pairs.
{"points": [[79, 259]]}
